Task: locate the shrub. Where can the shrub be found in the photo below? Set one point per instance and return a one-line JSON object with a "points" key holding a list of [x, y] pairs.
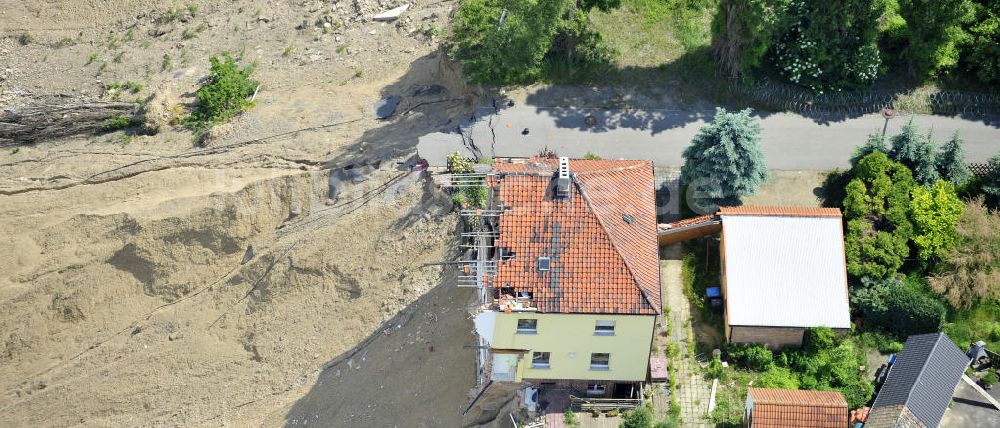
{"points": [[751, 356], [456, 164], [989, 379], [876, 207], [778, 377], [714, 369], [818, 339], [225, 94], [477, 195], [613, 413], [570, 418], [973, 265], [893, 308], [116, 123], [641, 417], [591, 156]]}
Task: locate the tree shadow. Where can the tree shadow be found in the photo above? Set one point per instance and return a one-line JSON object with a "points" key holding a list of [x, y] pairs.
{"points": [[433, 98], [416, 369]]}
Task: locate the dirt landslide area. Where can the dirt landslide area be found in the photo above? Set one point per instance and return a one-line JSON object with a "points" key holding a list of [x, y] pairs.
{"points": [[284, 274]]}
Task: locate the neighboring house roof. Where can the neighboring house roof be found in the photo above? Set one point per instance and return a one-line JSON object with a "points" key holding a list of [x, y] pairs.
{"points": [[920, 383], [780, 211], [774, 408], [601, 240], [785, 267]]}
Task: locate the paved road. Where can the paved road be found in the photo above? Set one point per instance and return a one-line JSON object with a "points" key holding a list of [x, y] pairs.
{"points": [[791, 142]]}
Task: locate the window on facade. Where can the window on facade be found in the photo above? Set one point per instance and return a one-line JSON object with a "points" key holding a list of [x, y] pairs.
{"points": [[596, 388], [604, 328], [599, 361], [527, 326], [540, 360]]}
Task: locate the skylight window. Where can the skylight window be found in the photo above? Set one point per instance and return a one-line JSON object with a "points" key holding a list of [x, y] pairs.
{"points": [[544, 264]]}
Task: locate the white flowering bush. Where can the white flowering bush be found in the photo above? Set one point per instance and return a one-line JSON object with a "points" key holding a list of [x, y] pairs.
{"points": [[829, 46]]}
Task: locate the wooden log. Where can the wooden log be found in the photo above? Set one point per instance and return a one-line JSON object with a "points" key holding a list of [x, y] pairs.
{"points": [[37, 123]]}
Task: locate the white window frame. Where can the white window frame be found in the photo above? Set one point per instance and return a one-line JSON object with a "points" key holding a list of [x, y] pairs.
{"points": [[525, 330], [597, 388], [537, 365], [604, 332], [600, 366]]}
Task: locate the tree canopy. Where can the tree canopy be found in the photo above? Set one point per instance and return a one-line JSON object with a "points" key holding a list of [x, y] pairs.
{"points": [[973, 267], [829, 45], [951, 162], [876, 208], [728, 152], [916, 152], [932, 33], [935, 212]]}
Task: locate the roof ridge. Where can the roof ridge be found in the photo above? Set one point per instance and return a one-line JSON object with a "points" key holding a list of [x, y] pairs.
{"points": [[635, 164], [614, 243], [923, 366]]}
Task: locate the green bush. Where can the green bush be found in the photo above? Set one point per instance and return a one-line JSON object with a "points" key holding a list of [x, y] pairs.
{"points": [[477, 195], [591, 156], [714, 369], [456, 164], [570, 418], [116, 123], [819, 339], [641, 417], [990, 379], [888, 306], [750, 356], [224, 95], [778, 377]]}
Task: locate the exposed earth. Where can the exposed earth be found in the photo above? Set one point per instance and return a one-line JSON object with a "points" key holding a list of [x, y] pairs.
{"points": [[289, 264]]}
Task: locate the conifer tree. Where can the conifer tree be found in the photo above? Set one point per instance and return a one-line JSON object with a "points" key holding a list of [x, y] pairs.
{"points": [[728, 153]]}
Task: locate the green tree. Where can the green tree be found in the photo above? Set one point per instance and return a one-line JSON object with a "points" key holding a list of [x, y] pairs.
{"points": [[982, 47], [916, 152], [504, 41], [876, 208], [932, 34], [727, 150], [951, 163], [829, 45], [742, 32], [508, 41], [935, 212], [875, 143], [991, 183]]}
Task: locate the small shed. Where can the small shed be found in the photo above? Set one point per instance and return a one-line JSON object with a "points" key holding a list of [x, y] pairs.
{"points": [[789, 408], [783, 271]]}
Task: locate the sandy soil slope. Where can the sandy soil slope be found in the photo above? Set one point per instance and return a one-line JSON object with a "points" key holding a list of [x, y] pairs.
{"points": [[129, 294]]}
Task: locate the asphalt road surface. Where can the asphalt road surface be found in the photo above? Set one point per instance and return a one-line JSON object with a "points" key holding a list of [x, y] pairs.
{"points": [[791, 142]]}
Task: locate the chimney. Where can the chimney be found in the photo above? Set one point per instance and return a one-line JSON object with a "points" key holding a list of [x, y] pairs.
{"points": [[563, 180]]}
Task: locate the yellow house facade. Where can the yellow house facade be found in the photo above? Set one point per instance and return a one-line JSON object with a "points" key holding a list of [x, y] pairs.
{"points": [[573, 346]]}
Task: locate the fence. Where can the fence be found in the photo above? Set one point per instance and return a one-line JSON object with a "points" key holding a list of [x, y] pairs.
{"points": [[780, 96], [603, 404], [980, 169]]}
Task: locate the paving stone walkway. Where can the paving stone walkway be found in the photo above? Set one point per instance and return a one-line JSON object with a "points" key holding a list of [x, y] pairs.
{"points": [[693, 391]]}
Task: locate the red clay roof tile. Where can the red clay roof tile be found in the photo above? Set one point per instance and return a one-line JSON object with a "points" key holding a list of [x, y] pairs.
{"points": [[787, 408], [780, 211], [601, 240]]}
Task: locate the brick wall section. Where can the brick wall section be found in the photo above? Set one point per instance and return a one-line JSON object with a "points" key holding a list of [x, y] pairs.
{"points": [[773, 337]]}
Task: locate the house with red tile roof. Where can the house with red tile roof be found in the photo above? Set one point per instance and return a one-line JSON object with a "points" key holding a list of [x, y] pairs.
{"points": [[576, 288], [789, 408]]}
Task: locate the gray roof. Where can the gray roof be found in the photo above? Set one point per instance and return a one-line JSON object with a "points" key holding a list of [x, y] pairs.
{"points": [[785, 271], [923, 377]]}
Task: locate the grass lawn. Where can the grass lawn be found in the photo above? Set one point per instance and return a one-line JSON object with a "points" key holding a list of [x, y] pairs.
{"points": [[659, 40], [981, 322]]}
